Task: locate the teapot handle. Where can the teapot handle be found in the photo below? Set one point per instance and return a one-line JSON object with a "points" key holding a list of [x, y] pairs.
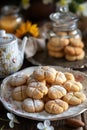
{"points": [[24, 41]]}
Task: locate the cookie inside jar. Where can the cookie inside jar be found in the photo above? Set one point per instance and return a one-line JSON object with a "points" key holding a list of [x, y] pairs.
{"points": [[65, 39]]}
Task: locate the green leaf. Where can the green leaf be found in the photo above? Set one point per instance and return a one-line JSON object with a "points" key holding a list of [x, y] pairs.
{"points": [[73, 6], [79, 1]]}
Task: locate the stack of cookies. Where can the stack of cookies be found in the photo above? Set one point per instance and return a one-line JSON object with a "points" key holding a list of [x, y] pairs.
{"points": [[71, 48], [56, 46], [46, 89], [74, 51]]}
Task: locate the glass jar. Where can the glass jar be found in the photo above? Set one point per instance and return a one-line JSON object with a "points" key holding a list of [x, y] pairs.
{"points": [[64, 38], [10, 18]]}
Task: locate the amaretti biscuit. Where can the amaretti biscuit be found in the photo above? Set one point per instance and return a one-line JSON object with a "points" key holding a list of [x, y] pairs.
{"points": [[74, 98], [32, 105], [76, 42], [56, 106], [73, 86], [60, 78], [50, 75], [19, 93], [47, 73], [53, 48], [56, 91], [58, 54], [69, 76], [39, 74], [75, 57], [73, 51], [56, 41], [32, 79], [18, 80], [36, 90]]}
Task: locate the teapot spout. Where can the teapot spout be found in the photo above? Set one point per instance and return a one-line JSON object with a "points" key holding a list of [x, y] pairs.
{"points": [[24, 41]]}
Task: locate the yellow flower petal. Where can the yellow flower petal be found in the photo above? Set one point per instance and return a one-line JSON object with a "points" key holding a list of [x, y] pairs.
{"points": [[27, 27]]}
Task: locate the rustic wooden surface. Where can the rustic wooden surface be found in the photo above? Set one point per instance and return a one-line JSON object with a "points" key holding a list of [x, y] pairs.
{"points": [[27, 124]]}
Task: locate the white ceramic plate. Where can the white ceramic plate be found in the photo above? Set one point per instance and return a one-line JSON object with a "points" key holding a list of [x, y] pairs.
{"points": [[15, 107]]}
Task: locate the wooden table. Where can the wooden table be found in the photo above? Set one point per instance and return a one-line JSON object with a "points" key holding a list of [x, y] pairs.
{"points": [[28, 124]]}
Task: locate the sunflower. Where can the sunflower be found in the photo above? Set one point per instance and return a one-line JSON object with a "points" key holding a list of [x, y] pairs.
{"points": [[27, 28]]}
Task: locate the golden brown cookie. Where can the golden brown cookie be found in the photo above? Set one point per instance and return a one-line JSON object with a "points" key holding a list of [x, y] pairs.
{"points": [[56, 91], [60, 78], [56, 106], [73, 51], [55, 41], [74, 58], [58, 54], [36, 90], [73, 86], [30, 105], [69, 76], [46, 73], [81, 56], [18, 80], [75, 98], [64, 41], [39, 74], [50, 75], [54, 48], [77, 42], [80, 95], [19, 93], [32, 79]]}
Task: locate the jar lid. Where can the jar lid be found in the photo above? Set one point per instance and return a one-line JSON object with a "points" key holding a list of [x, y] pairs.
{"points": [[64, 19], [9, 9], [5, 38]]}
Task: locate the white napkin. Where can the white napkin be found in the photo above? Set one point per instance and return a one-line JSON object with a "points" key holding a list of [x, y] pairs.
{"points": [[37, 44], [33, 45]]}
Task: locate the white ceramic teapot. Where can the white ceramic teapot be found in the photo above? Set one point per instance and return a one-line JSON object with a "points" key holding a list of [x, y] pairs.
{"points": [[11, 53]]}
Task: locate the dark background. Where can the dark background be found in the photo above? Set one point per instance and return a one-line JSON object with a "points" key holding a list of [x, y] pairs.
{"points": [[36, 12]]}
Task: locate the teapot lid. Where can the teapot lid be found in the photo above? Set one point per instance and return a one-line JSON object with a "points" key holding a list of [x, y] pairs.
{"points": [[63, 18], [5, 37]]}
